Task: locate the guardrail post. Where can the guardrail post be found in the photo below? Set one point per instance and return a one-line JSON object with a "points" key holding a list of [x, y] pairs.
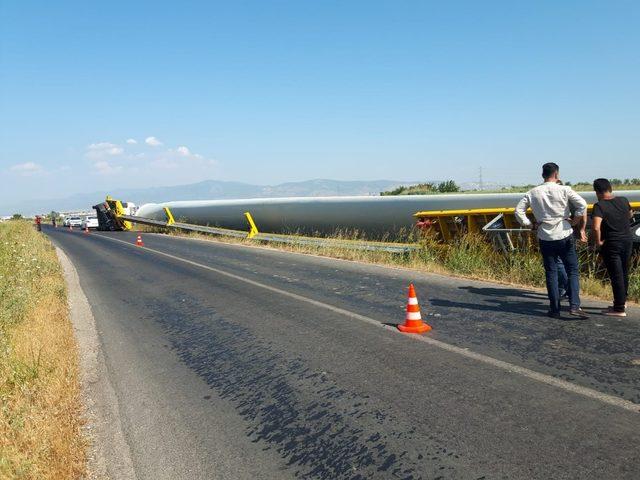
{"points": [[253, 230]]}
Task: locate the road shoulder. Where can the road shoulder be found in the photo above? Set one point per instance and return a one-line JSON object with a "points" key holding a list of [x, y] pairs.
{"points": [[109, 455]]}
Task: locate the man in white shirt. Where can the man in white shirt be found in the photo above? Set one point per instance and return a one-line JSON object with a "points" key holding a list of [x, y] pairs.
{"points": [[551, 204]]}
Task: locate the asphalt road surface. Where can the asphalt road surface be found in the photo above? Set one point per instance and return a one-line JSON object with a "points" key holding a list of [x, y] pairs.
{"points": [[246, 363]]}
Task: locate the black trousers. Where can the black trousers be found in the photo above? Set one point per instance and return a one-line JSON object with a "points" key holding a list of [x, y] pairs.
{"points": [[617, 255]]}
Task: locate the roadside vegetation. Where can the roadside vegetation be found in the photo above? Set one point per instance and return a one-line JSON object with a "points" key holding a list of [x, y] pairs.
{"points": [[450, 186], [429, 188], [40, 425], [469, 256]]}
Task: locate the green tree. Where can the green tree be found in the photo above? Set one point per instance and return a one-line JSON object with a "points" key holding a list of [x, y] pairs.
{"points": [[429, 187], [395, 191], [448, 186], [16, 216]]}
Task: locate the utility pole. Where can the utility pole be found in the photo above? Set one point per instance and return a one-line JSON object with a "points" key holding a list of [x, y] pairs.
{"points": [[480, 183]]}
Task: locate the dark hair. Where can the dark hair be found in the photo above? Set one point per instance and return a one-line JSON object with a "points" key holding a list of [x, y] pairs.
{"points": [[601, 185], [549, 169]]}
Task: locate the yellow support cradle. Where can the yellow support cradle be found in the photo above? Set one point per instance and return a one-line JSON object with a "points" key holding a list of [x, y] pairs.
{"points": [[253, 229]]}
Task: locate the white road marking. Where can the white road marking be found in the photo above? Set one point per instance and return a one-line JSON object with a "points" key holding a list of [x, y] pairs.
{"points": [[509, 367]]}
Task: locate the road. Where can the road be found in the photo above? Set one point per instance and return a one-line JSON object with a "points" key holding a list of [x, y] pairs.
{"points": [[244, 363]]}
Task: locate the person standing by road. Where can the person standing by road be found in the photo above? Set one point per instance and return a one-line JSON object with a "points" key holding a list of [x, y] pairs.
{"points": [[612, 235], [551, 204]]}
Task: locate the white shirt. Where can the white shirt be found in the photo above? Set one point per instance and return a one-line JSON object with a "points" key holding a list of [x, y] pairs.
{"points": [[551, 205]]}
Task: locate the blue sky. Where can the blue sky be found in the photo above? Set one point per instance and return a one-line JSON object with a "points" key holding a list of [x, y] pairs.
{"points": [[274, 91]]}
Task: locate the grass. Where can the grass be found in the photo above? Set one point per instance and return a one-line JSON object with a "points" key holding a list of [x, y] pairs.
{"points": [[470, 256], [40, 426]]}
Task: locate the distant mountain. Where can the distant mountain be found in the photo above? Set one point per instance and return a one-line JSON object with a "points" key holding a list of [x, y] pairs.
{"points": [[205, 190]]}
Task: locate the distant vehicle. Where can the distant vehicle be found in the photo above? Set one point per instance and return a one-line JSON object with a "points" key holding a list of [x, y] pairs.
{"points": [[130, 208], [74, 222], [90, 222], [65, 221]]}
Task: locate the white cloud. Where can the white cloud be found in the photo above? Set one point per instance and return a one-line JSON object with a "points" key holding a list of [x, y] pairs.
{"points": [[27, 168], [103, 149], [109, 158], [180, 157], [105, 146], [152, 141], [106, 168], [183, 151]]}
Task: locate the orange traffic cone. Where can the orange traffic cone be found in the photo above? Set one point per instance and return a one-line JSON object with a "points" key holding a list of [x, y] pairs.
{"points": [[413, 321], [70, 228], [86, 230], [139, 241]]}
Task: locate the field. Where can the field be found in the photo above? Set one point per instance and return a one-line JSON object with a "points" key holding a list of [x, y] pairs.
{"points": [[40, 427]]}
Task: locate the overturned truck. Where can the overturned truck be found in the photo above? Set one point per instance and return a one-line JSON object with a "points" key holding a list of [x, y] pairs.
{"points": [[109, 215]]}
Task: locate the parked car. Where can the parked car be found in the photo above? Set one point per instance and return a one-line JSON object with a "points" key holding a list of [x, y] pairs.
{"points": [[90, 222], [65, 222], [75, 222]]}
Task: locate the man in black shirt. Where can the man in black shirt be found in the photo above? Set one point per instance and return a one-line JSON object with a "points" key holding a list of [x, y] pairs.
{"points": [[612, 233]]}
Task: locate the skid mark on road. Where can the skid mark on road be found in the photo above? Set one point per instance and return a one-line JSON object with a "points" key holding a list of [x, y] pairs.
{"points": [[321, 430]]}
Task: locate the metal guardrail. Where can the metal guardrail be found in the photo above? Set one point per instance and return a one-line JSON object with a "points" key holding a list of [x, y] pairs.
{"points": [[276, 238]]}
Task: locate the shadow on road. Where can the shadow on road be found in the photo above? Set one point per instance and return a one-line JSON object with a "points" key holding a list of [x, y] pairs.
{"points": [[504, 292], [504, 300]]}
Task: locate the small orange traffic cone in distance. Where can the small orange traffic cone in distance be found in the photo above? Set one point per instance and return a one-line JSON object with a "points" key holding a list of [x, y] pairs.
{"points": [[70, 228], [413, 321], [86, 229], [139, 241]]}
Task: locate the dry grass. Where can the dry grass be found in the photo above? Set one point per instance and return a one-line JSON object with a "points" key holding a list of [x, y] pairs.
{"points": [[40, 427], [470, 256]]}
